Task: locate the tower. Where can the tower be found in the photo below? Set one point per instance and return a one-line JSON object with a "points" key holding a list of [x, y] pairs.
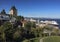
{"points": [[3, 11], [13, 11]]}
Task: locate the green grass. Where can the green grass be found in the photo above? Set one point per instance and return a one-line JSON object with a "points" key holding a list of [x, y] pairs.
{"points": [[32, 40], [36, 40], [52, 39]]}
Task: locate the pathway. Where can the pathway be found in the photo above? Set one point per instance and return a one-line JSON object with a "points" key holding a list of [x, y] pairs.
{"points": [[41, 40]]}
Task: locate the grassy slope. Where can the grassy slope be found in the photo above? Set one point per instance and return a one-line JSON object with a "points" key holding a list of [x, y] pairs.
{"points": [[32, 40], [52, 39], [36, 40]]}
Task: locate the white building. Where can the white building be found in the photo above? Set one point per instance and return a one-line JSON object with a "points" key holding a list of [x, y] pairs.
{"points": [[49, 23]]}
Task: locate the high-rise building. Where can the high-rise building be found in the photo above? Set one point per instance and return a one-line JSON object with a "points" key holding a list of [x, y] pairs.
{"points": [[13, 11]]}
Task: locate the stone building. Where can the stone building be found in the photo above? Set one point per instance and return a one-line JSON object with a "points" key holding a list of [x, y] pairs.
{"points": [[7, 17], [13, 11]]}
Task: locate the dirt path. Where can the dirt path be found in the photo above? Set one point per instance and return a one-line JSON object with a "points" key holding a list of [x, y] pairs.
{"points": [[41, 40]]}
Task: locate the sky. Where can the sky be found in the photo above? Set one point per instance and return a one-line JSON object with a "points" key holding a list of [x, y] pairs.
{"points": [[33, 8]]}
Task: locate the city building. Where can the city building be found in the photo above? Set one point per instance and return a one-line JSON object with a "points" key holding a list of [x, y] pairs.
{"points": [[53, 24]]}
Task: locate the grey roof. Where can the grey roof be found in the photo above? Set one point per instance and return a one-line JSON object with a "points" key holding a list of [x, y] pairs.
{"points": [[13, 7], [4, 17]]}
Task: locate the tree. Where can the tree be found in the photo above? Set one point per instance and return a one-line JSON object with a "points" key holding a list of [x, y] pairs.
{"points": [[30, 29], [20, 18], [28, 25], [55, 31], [48, 29], [8, 30], [2, 35], [5, 30], [33, 25], [17, 36]]}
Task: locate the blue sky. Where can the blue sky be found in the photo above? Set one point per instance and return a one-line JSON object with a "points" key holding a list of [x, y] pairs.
{"points": [[33, 8]]}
